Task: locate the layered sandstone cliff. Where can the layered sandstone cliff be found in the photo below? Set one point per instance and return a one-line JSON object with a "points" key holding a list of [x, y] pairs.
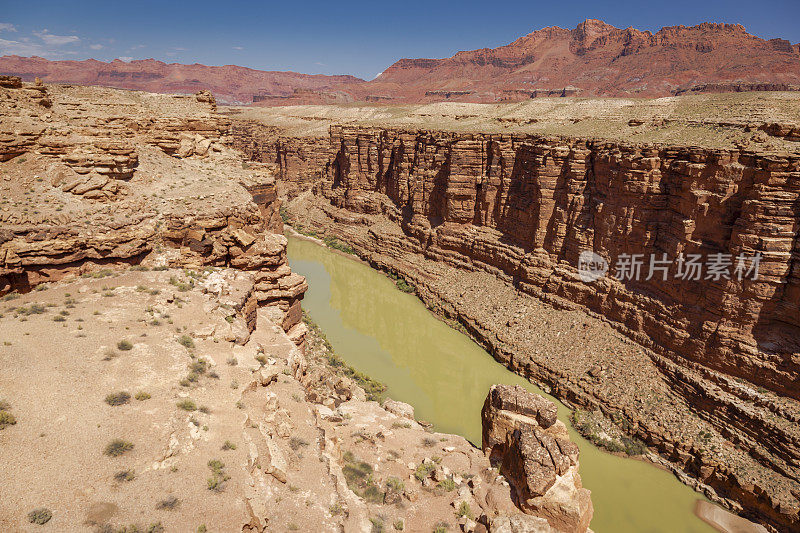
{"points": [[528, 206], [516, 210], [97, 177]]}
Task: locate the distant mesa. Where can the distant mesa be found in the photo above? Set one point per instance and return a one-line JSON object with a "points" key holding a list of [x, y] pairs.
{"points": [[594, 59]]}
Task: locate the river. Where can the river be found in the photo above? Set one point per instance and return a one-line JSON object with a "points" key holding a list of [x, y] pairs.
{"points": [[392, 337]]}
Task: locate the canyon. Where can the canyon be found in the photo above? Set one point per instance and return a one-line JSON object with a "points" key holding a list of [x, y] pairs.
{"points": [[483, 209], [593, 59], [159, 371]]}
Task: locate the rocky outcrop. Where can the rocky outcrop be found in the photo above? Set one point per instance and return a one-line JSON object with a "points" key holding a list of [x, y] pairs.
{"points": [[522, 434], [108, 179]]}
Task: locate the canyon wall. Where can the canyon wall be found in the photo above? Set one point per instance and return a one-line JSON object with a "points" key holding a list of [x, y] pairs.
{"points": [[527, 207], [483, 225], [298, 161], [127, 177]]}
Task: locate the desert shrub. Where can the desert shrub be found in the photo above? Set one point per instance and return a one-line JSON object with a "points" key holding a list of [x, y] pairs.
{"points": [[186, 341], [118, 398], [125, 475], [336, 509], [228, 445], [6, 419], [200, 366], [232, 361], [447, 485], [464, 510], [358, 475], [295, 443], [429, 442], [218, 476], [124, 345], [187, 405], [423, 471], [142, 396], [117, 447], [395, 484], [40, 516], [399, 525], [168, 504], [377, 525]]}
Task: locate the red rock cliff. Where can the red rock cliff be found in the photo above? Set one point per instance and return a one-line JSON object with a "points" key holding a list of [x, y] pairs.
{"points": [[526, 207]]}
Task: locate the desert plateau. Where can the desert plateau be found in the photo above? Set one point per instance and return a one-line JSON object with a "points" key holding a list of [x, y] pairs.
{"points": [[549, 286]]}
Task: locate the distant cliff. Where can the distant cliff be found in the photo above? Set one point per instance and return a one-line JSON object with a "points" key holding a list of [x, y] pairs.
{"points": [[594, 59]]}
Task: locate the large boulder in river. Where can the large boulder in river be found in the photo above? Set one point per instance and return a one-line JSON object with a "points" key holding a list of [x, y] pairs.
{"points": [[522, 435]]}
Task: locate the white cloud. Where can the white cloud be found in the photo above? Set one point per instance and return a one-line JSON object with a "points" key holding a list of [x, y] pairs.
{"points": [[238, 47], [20, 48], [56, 40], [96, 46], [125, 59], [5, 26]]}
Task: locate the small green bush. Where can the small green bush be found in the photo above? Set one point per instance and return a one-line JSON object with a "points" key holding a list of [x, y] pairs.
{"points": [[40, 516], [228, 445], [448, 485], [118, 398], [125, 475], [423, 471], [218, 476], [142, 396], [186, 341], [124, 345], [117, 447], [6, 419], [187, 405]]}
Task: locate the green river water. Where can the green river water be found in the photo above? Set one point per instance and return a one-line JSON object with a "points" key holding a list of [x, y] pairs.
{"points": [[392, 337]]}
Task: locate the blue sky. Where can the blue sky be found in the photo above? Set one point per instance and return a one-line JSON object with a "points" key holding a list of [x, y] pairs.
{"points": [[328, 37]]}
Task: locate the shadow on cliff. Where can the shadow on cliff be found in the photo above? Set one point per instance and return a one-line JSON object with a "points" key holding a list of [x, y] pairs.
{"points": [[777, 329]]}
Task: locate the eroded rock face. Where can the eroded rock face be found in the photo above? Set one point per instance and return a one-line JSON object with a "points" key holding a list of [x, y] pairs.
{"points": [[299, 162], [522, 434], [103, 177], [527, 207], [487, 227]]}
